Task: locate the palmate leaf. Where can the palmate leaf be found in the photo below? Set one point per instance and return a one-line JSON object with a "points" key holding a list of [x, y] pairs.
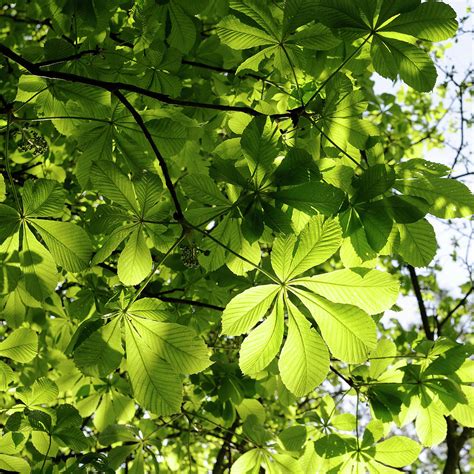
{"points": [[311, 198], [431, 425], [431, 21], [114, 185], [156, 386], [391, 56], [43, 198], [304, 360], [17, 464]]}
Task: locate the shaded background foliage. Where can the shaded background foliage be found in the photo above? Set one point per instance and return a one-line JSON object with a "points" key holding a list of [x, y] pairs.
{"points": [[205, 210]]}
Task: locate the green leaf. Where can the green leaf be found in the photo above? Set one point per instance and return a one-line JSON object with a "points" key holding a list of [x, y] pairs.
{"points": [[114, 185], [148, 191], [260, 145], [6, 376], [43, 391], [430, 425], [135, 262], [247, 308], [349, 332], [21, 345], [417, 243], [3, 189], [431, 21], [247, 463], [10, 222], [317, 242], [102, 352], [316, 36], [201, 188], [43, 198], [304, 360], [68, 243], [169, 135], [448, 198], [183, 32], [311, 198], [176, 344], [373, 291], [263, 343], [373, 182], [14, 464], [38, 267], [414, 65], [259, 12], [238, 35], [151, 308], [156, 386], [397, 451]]}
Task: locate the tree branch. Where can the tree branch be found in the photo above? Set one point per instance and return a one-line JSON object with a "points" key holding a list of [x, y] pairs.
{"points": [[179, 216], [462, 302], [201, 304], [455, 442], [37, 70], [421, 303]]}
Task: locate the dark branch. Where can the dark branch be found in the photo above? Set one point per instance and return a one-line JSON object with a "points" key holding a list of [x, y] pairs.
{"points": [[462, 302], [421, 303], [37, 70], [201, 304], [164, 167]]}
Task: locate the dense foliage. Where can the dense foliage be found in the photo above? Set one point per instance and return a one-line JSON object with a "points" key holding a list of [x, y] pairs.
{"points": [[205, 210]]}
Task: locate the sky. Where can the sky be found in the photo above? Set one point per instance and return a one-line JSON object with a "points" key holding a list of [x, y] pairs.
{"points": [[452, 275]]}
